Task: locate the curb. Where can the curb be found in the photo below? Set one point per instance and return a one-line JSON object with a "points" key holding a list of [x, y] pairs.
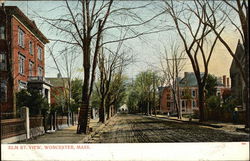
{"points": [[94, 132], [190, 122], [246, 130]]}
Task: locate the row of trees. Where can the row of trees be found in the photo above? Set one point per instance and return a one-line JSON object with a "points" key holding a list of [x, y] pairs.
{"points": [[111, 83], [142, 95], [84, 26]]}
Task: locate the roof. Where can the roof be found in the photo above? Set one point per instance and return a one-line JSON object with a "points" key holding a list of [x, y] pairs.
{"points": [[14, 10], [239, 53], [189, 80], [58, 82]]}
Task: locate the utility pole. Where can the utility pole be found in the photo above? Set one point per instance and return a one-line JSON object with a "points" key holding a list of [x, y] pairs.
{"points": [[154, 93]]}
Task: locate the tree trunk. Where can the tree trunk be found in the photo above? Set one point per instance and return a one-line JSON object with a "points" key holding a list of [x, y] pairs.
{"points": [[102, 112], [83, 123], [108, 112], [176, 103], [201, 103], [83, 120]]}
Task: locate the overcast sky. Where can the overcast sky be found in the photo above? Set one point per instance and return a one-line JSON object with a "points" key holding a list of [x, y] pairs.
{"points": [[146, 50]]}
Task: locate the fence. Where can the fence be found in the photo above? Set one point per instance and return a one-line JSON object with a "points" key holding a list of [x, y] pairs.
{"points": [[225, 116], [9, 115], [17, 129], [61, 122], [36, 121], [12, 127], [25, 127], [36, 126]]}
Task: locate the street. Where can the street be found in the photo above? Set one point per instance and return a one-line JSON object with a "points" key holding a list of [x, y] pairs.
{"points": [[127, 128]]}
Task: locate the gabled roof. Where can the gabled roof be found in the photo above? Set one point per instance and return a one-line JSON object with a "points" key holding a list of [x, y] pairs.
{"points": [[239, 53], [14, 10], [161, 88], [58, 82]]}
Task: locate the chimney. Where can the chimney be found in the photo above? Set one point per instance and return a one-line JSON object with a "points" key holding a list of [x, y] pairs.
{"points": [[2, 1], [228, 82], [185, 74], [224, 80]]}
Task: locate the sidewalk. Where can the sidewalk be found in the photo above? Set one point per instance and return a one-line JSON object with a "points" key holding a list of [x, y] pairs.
{"points": [[221, 125], [67, 135]]}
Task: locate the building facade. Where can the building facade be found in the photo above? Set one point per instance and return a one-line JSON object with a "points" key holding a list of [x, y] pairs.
{"points": [[188, 93], [21, 56]]}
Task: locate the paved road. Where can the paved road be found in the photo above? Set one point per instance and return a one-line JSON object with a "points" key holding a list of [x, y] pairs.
{"points": [[126, 128]]}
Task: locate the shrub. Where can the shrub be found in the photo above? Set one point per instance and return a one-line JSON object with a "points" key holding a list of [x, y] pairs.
{"points": [[32, 99], [230, 104], [213, 103], [196, 114]]}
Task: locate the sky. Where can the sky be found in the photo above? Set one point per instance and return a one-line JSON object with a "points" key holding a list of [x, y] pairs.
{"points": [[145, 50]]}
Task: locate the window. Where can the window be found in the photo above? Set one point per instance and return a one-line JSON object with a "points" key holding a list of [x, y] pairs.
{"points": [[39, 51], [3, 61], [2, 32], [40, 71], [193, 103], [21, 63], [22, 85], [31, 47], [3, 91], [182, 93], [20, 37], [182, 103], [193, 93], [31, 64], [168, 96], [168, 104]]}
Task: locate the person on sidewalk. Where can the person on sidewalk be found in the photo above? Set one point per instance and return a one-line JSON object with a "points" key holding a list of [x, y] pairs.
{"points": [[235, 115]]}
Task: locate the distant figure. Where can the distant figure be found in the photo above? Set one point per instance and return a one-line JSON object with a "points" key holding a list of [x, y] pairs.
{"points": [[235, 115], [168, 114]]}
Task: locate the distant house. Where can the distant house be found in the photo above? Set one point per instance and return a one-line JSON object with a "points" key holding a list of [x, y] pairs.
{"points": [[236, 78], [60, 90], [223, 86], [165, 99], [188, 92], [22, 57], [123, 109]]}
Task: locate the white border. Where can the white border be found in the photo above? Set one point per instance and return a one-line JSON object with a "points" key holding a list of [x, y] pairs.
{"points": [[143, 151]]}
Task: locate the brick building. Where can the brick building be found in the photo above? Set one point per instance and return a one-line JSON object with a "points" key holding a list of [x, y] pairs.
{"points": [[21, 56], [188, 89], [60, 89]]}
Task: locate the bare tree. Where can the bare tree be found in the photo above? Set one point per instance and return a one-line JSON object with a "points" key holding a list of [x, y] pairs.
{"points": [[240, 8], [65, 62], [78, 25], [171, 67], [83, 26], [195, 39]]}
